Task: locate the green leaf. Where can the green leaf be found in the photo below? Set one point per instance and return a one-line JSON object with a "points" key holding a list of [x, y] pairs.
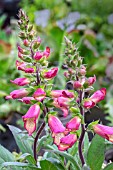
{"points": [[21, 140], [45, 164], [19, 164], [5, 156], [86, 145], [95, 155], [57, 163], [67, 156], [92, 124], [40, 143], [109, 167], [29, 157]]}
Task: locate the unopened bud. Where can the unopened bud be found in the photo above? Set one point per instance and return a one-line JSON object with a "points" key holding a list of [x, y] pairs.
{"points": [[22, 35], [31, 34], [77, 84], [20, 55], [70, 70], [66, 74], [83, 70], [37, 43], [26, 42]]}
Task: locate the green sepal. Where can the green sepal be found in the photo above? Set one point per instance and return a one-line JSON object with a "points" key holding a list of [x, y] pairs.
{"points": [[48, 102], [50, 113], [90, 126], [26, 59], [74, 110], [30, 28]]}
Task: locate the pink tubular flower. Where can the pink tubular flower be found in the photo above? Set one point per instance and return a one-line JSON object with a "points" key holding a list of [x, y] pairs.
{"points": [[22, 66], [95, 98], [57, 129], [73, 124], [56, 93], [55, 124], [39, 94], [46, 53], [62, 93], [20, 81], [26, 100], [91, 80], [16, 94], [98, 95], [58, 102], [88, 104], [67, 142], [30, 118], [104, 131], [63, 102], [68, 94], [19, 93], [51, 73]]}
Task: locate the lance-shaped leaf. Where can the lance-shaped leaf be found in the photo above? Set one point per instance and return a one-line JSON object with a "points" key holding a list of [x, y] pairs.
{"points": [[95, 156]]}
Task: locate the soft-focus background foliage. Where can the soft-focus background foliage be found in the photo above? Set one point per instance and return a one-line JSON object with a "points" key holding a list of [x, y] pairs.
{"points": [[89, 23]]}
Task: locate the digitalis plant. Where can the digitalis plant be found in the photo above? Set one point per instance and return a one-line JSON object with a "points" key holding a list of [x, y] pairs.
{"points": [[42, 99]]}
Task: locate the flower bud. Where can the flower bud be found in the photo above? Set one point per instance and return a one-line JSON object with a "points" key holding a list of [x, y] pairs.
{"points": [[20, 65], [51, 73], [22, 35], [26, 100], [16, 94], [66, 74], [29, 70], [82, 70], [36, 43], [26, 42], [20, 81], [20, 49], [70, 70], [77, 85], [46, 53], [38, 55], [20, 55], [91, 80]]}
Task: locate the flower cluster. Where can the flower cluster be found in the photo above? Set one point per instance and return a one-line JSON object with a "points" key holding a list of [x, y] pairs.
{"points": [[39, 94], [33, 63], [62, 136]]}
